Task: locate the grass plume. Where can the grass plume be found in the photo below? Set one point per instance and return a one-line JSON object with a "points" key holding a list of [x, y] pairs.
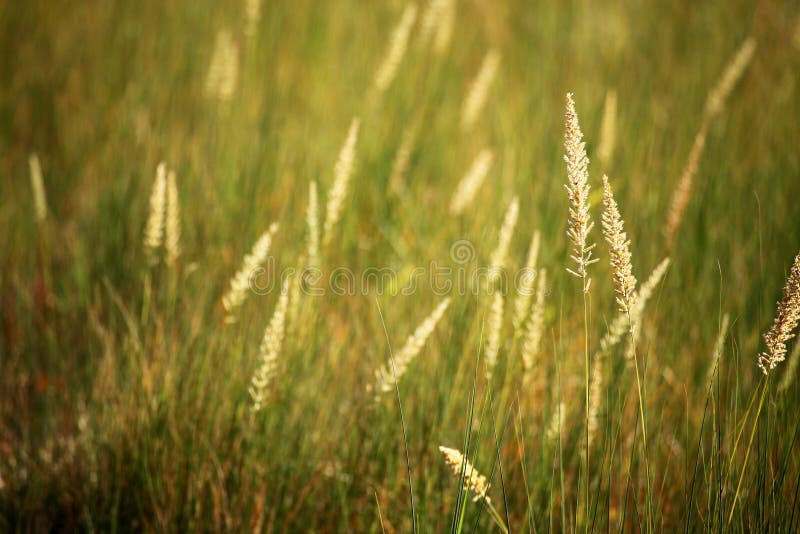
{"points": [[341, 182], [608, 130], [172, 239], [494, 334], [394, 370], [499, 257], [618, 249], [787, 315], [479, 89], [397, 49], [37, 185], [471, 182], [527, 282], [580, 223], [154, 231], [312, 221], [269, 351], [223, 71], [240, 283]]}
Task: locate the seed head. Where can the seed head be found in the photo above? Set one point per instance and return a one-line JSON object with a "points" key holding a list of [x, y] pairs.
{"points": [[578, 191], [619, 250], [463, 469], [786, 318]]}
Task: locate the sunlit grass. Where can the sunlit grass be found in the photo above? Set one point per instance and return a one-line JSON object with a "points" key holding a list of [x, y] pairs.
{"points": [[125, 391]]}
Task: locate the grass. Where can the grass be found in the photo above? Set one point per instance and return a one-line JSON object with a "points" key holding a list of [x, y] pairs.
{"points": [[124, 399]]}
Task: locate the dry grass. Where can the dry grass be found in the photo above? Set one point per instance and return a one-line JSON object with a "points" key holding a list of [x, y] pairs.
{"points": [[136, 395]]}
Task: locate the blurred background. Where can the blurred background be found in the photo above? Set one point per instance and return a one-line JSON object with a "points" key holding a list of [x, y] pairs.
{"points": [[123, 392]]}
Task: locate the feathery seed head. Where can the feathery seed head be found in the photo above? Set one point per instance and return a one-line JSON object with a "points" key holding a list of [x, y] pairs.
{"points": [[618, 245], [468, 186], [637, 310], [527, 282], [718, 347], [240, 283], [223, 72], [154, 231], [37, 184], [578, 191], [270, 349], [479, 90], [312, 219], [556, 424], [401, 159], [393, 370], [437, 24], [499, 257], [462, 468], [786, 318], [533, 336], [494, 333], [172, 240], [622, 322], [397, 49], [252, 16], [341, 182], [683, 191], [734, 70], [608, 130], [714, 105]]}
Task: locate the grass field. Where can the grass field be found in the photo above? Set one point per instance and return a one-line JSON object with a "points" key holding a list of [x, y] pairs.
{"points": [[143, 386]]}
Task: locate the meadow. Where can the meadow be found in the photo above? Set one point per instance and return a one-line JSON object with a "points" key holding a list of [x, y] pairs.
{"points": [[398, 266]]}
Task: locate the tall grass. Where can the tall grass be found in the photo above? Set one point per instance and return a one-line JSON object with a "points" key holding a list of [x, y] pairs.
{"points": [[130, 372]]}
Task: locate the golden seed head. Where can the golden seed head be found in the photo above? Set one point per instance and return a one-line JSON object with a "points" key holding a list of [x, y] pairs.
{"points": [[499, 257], [397, 49], [619, 250], [240, 283], [494, 332], [556, 423], [394, 369], [683, 191], [719, 345], [786, 318], [622, 323], [252, 16], [401, 160], [468, 186], [473, 481], [223, 72], [526, 283], [578, 191], [734, 70], [479, 89], [533, 336], [343, 170], [437, 25], [608, 130], [154, 231], [270, 350], [312, 220], [37, 184], [172, 241]]}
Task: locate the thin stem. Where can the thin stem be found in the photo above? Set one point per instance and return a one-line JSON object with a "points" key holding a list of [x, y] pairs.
{"points": [[496, 516], [641, 415], [749, 445], [586, 362]]}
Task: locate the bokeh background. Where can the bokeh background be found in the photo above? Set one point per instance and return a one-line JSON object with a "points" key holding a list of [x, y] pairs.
{"points": [[123, 393]]}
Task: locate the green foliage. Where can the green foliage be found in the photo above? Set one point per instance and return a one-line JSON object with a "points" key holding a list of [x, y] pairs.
{"points": [[124, 394]]}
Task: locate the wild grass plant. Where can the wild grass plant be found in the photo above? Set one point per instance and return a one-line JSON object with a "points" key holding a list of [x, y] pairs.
{"points": [[303, 266]]}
